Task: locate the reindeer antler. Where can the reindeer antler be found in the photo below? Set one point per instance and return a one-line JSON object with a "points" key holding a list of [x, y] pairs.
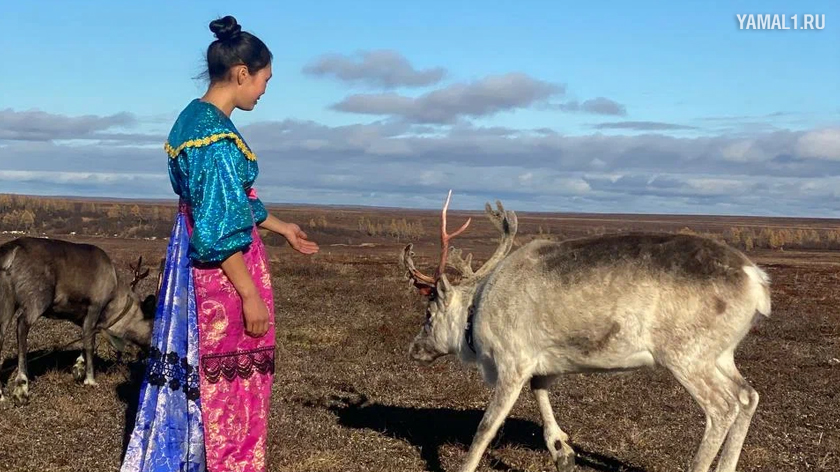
{"points": [[407, 263], [162, 267], [461, 264], [505, 221], [422, 281], [446, 237], [138, 276]]}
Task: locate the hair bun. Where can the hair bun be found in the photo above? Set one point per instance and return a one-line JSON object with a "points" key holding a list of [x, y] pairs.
{"points": [[225, 28]]}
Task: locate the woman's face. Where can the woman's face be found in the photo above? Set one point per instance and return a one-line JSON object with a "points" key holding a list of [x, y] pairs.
{"points": [[251, 87]]}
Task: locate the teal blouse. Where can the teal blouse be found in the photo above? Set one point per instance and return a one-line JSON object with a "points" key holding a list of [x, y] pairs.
{"points": [[212, 170]]}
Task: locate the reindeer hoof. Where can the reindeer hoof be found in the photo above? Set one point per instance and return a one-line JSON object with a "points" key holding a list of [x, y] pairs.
{"points": [[20, 392], [565, 462], [79, 371]]}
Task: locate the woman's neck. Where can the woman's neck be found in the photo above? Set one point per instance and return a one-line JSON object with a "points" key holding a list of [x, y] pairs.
{"points": [[221, 98]]}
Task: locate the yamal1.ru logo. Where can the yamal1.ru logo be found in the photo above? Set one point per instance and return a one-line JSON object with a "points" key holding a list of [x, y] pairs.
{"points": [[807, 21]]}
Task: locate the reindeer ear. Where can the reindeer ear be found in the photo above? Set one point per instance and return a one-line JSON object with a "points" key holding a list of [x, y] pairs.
{"points": [[425, 290], [149, 306], [444, 288]]}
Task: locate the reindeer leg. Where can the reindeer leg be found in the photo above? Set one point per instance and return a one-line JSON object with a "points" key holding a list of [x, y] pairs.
{"points": [[713, 392], [88, 343], [20, 387], [556, 439], [505, 394], [6, 319], [748, 398], [79, 367]]}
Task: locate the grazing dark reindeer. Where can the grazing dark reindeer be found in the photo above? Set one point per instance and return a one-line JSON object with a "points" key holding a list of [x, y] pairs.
{"points": [[598, 304], [69, 281]]}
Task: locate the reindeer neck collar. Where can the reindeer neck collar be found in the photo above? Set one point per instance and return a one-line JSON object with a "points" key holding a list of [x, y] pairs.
{"points": [[468, 330], [116, 320]]}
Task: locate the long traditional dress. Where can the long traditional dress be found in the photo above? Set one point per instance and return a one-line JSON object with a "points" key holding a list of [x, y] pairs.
{"points": [[204, 403]]}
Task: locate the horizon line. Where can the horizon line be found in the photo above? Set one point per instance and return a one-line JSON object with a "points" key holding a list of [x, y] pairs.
{"points": [[162, 201]]}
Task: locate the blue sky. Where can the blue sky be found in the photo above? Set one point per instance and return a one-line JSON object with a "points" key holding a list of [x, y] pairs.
{"points": [[642, 107]]}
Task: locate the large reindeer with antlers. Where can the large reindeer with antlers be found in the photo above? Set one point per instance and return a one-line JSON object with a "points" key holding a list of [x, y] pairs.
{"points": [[69, 281], [598, 304]]}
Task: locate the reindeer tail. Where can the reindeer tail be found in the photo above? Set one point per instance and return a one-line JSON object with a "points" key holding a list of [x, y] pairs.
{"points": [[7, 256], [7, 295], [760, 289]]}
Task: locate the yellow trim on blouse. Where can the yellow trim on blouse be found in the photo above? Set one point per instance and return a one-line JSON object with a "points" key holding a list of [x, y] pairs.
{"points": [[173, 152]]}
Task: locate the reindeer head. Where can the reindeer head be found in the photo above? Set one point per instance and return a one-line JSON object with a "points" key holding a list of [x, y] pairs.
{"points": [[447, 304], [129, 317], [138, 276], [149, 303]]}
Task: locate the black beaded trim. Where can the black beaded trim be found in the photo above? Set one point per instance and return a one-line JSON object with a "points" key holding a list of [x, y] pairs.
{"points": [[240, 364], [173, 370]]}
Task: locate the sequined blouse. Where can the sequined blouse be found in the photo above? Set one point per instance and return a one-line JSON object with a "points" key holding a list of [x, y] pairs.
{"points": [[212, 170]]}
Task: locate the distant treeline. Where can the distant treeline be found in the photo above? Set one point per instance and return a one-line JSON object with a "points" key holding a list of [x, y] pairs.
{"points": [[750, 237], [41, 215], [55, 216]]}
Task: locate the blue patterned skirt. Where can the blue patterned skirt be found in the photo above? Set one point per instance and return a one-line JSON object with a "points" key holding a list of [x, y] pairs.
{"points": [[168, 434]]}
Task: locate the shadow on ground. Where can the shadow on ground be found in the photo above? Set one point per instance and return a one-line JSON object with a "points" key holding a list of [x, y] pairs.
{"points": [[429, 428], [128, 392], [45, 360]]}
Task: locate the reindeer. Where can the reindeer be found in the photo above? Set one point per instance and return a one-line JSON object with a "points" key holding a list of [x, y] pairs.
{"points": [[69, 281], [609, 303]]}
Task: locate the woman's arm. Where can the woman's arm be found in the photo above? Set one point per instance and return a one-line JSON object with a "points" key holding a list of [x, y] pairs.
{"points": [[236, 270], [255, 312], [275, 225]]}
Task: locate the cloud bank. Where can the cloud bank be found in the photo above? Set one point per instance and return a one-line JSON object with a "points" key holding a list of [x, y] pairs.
{"points": [[425, 143]]}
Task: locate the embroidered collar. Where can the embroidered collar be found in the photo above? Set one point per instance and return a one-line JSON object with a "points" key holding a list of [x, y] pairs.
{"points": [[202, 124]]}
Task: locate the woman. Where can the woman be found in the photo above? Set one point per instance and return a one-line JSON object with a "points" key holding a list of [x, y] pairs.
{"points": [[204, 404]]}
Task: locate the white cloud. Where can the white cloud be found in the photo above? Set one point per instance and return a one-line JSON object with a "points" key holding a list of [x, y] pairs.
{"points": [[484, 97], [820, 144], [64, 177], [378, 68]]}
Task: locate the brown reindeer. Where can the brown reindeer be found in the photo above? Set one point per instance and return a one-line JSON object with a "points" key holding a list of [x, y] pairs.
{"points": [[69, 281]]}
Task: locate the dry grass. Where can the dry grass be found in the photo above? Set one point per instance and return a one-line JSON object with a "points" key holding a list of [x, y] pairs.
{"points": [[347, 398]]}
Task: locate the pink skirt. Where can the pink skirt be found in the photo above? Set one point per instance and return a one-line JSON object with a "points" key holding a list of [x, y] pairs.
{"points": [[236, 370]]}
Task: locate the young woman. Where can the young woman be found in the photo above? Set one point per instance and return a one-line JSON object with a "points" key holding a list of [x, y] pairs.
{"points": [[204, 403]]}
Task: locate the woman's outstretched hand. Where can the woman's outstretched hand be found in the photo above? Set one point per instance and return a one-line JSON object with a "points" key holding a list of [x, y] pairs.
{"points": [[298, 240]]}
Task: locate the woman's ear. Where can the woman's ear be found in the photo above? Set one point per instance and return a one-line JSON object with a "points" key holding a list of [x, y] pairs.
{"points": [[241, 74]]}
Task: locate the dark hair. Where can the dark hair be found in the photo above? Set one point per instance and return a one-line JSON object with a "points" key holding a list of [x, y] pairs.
{"points": [[234, 47]]}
